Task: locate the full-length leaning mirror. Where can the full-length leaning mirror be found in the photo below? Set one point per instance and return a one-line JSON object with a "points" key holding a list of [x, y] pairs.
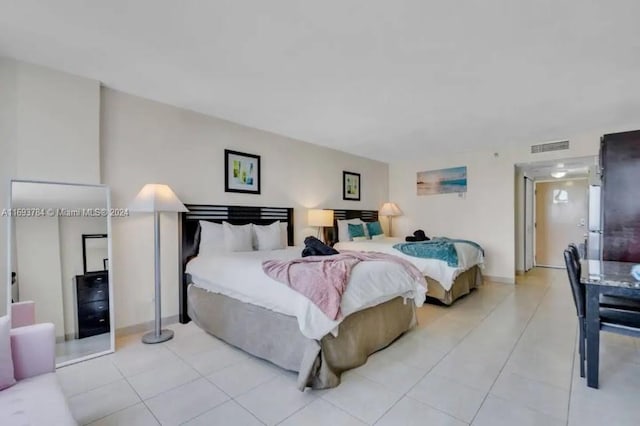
{"points": [[60, 246]]}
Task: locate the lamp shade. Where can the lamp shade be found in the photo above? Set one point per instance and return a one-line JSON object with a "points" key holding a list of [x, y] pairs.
{"points": [[317, 217], [155, 197], [390, 209]]}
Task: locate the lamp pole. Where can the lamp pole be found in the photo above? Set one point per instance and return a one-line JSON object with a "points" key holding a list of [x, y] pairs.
{"points": [[157, 335]]}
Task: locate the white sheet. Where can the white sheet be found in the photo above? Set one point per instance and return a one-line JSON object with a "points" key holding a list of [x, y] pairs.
{"points": [[240, 275], [468, 257]]}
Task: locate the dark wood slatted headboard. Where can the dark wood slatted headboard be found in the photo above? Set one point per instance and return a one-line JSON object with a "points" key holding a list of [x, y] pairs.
{"points": [[341, 214], [189, 227]]}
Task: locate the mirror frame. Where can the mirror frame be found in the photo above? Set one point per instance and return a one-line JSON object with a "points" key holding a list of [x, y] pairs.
{"points": [[86, 237], [112, 330]]}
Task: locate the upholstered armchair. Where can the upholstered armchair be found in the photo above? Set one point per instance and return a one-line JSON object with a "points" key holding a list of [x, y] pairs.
{"points": [[36, 398]]}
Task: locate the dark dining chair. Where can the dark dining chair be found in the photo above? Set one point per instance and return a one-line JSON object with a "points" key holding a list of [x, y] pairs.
{"points": [[614, 319]]}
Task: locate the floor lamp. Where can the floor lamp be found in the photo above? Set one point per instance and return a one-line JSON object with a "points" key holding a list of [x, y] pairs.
{"points": [[390, 210], [155, 198]]}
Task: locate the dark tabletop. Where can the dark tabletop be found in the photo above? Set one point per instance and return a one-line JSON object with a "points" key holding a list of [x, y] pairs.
{"points": [[608, 273]]}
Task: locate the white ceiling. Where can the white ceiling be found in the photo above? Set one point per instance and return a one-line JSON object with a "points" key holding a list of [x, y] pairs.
{"points": [[573, 167], [384, 79]]}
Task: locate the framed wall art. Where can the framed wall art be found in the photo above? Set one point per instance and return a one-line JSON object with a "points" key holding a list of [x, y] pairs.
{"points": [[351, 186], [242, 172], [443, 181]]}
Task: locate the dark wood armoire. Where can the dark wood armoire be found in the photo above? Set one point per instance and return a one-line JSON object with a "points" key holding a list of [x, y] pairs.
{"points": [[620, 163]]}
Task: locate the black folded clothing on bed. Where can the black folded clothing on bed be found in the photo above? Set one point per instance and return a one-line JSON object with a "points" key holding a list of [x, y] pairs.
{"points": [[315, 247], [418, 235]]}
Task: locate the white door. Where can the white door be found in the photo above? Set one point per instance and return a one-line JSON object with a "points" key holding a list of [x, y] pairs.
{"points": [[528, 223], [561, 214]]}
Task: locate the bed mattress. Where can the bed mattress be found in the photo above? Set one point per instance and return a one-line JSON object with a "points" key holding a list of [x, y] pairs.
{"points": [[240, 276]]}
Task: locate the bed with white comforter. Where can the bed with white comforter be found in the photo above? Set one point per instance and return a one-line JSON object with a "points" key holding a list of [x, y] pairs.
{"points": [[240, 276], [230, 296], [468, 257]]}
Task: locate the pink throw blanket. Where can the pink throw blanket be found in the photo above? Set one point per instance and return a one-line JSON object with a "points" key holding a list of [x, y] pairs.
{"points": [[324, 279]]}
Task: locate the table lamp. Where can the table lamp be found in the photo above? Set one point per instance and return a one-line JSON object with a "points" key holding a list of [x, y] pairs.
{"points": [[390, 210], [321, 219]]}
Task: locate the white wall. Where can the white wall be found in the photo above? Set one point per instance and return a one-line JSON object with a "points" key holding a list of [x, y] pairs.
{"points": [[487, 212], [57, 127], [144, 141], [39, 272], [49, 130], [7, 160]]}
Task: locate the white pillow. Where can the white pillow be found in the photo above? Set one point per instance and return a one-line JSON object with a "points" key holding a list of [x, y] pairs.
{"points": [[211, 238], [378, 237], [269, 237], [343, 228], [6, 360], [237, 237], [359, 238], [284, 234]]}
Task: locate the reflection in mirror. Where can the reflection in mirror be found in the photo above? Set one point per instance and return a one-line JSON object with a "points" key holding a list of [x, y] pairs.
{"points": [[95, 252], [60, 253]]}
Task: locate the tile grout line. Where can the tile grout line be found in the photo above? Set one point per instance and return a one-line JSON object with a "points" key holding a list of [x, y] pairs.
{"points": [[459, 342], [143, 401], [406, 394], [573, 367], [70, 366], [231, 398], [437, 409], [136, 392], [515, 345], [302, 408], [202, 376]]}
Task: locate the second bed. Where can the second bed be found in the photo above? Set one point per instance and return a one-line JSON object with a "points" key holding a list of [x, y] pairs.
{"points": [[445, 283]]}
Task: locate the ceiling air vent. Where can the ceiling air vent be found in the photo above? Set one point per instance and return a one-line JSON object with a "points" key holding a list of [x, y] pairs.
{"points": [[551, 146]]}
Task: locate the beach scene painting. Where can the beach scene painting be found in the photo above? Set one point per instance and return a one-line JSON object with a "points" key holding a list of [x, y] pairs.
{"points": [[443, 181]]}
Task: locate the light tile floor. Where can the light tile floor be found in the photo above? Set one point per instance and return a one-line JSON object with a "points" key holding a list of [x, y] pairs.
{"points": [[77, 348], [505, 355]]}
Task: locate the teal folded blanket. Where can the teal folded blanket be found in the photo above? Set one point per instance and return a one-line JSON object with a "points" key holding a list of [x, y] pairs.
{"points": [[437, 248], [456, 240]]}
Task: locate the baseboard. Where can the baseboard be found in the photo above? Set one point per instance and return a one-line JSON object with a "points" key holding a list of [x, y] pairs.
{"points": [[502, 280], [145, 326], [520, 272]]}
